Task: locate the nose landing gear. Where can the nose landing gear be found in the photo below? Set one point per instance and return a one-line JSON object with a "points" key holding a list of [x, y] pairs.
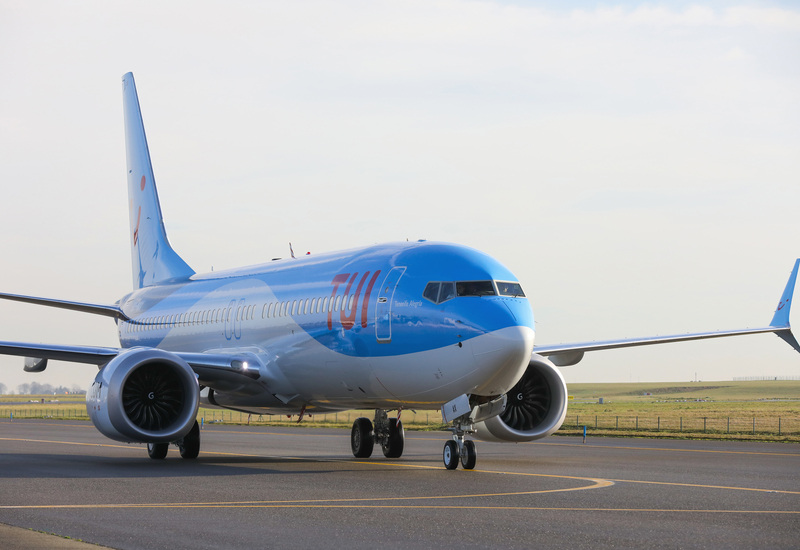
{"points": [[464, 412], [459, 448]]}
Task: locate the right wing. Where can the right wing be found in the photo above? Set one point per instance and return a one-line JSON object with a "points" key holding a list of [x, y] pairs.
{"points": [[564, 355]]}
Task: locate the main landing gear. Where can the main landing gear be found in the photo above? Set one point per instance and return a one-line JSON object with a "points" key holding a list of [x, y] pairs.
{"points": [[189, 445], [459, 448], [388, 432]]}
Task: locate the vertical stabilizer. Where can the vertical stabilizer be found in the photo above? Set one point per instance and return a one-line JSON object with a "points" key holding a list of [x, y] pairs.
{"points": [[153, 259]]}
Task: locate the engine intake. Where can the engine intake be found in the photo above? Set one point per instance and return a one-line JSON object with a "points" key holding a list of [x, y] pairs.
{"points": [[144, 395], [535, 407]]}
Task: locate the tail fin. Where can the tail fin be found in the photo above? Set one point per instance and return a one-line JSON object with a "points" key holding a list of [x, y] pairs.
{"points": [[153, 259], [781, 317]]}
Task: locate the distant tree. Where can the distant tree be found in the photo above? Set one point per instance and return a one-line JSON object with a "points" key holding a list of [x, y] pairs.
{"points": [[35, 388], [2, 388], [41, 389]]}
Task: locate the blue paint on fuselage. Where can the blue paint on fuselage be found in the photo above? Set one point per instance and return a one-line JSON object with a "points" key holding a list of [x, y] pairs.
{"points": [[232, 309]]}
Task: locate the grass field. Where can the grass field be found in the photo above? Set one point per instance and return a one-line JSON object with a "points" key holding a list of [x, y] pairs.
{"points": [[671, 391], [762, 410]]}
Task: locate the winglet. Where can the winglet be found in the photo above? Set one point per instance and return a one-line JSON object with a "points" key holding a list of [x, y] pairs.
{"points": [[154, 260], [781, 317]]}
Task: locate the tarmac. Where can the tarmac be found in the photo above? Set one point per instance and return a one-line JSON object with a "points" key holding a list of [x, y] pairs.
{"points": [[66, 486]]}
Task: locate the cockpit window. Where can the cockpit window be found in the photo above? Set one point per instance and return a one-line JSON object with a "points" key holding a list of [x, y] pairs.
{"points": [[475, 288], [432, 292], [447, 291], [438, 292], [510, 289]]}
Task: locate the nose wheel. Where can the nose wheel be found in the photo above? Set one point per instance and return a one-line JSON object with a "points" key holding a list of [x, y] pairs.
{"points": [[469, 456], [459, 449], [450, 455]]}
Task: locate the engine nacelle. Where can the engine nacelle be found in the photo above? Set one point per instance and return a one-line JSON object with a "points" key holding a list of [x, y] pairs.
{"points": [[535, 408], [144, 395]]}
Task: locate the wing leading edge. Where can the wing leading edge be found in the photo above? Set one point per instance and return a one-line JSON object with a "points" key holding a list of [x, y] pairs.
{"points": [[94, 309], [212, 369], [564, 355]]}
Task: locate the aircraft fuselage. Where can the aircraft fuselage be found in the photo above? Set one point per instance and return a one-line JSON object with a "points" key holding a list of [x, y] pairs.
{"points": [[351, 329]]}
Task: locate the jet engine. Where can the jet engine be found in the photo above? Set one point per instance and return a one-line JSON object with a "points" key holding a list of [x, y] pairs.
{"points": [[144, 395], [535, 406]]}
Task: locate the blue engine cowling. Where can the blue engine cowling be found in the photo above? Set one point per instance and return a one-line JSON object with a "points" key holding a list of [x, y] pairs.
{"points": [[144, 395], [535, 406]]}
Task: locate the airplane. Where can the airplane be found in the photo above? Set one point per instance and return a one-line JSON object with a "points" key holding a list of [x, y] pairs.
{"points": [[389, 327]]}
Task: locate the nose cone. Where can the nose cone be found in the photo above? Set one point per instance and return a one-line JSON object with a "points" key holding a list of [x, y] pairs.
{"points": [[501, 357]]}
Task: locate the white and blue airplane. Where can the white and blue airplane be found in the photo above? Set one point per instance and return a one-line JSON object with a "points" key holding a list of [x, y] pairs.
{"points": [[410, 325]]}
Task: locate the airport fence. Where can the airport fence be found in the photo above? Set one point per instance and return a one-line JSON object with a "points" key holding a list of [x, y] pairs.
{"points": [[732, 425], [688, 426], [421, 419]]}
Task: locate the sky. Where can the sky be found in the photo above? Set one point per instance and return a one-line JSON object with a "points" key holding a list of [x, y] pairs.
{"points": [[634, 164]]}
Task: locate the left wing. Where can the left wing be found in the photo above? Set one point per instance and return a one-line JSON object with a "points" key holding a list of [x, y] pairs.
{"points": [[95, 309], [210, 368], [564, 355], [91, 355]]}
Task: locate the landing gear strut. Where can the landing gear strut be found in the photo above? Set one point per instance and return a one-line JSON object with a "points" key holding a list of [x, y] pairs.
{"points": [[388, 432]]}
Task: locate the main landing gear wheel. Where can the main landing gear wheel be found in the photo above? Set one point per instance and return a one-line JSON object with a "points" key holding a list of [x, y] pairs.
{"points": [[190, 444], [469, 456], [395, 442], [157, 451], [362, 439]]}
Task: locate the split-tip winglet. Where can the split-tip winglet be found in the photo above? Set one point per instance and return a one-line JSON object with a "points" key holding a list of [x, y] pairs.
{"points": [[781, 317]]}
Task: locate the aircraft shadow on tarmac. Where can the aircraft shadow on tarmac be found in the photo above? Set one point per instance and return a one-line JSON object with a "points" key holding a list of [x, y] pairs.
{"points": [[52, 466]]}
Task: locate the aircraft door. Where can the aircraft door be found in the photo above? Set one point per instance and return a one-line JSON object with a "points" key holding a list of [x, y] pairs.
{"points": [[383, 308], [233, 320], [229, 322]]}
